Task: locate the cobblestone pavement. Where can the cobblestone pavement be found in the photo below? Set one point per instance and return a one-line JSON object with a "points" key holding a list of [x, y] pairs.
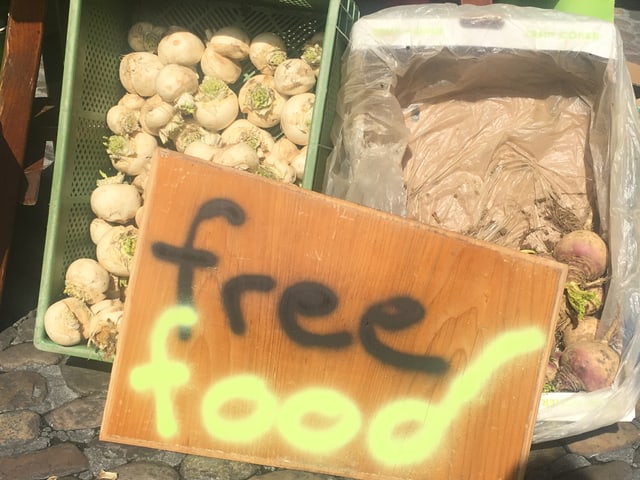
{"points": [[51, 409]]}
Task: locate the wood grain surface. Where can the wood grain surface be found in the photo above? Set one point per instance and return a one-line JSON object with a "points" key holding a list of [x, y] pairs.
{"points": [[274, 325]]}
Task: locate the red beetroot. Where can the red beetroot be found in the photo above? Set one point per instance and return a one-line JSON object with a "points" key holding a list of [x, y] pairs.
{"points": [[587, 366], [585, 252]]}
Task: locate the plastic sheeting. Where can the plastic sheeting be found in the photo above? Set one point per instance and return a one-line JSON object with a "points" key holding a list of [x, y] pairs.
{"points": [[509, 124]]}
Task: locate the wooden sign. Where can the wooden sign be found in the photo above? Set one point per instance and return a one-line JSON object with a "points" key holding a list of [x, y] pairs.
{"points": [[278, 326]]}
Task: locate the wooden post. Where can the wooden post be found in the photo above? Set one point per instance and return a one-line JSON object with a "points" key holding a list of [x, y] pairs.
{"points": [[18, 78]]}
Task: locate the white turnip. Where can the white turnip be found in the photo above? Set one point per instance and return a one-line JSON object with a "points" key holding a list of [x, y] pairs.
{"points": [[312, 51], [115, 250], [201, 150], [295, 120], [294, 76], [191, 131], [216, 105], [86, 280], [122, 120], [115, 203], [231, 42], [132, 154], [213, 64], [261, 102], [299, 161], [132, 101], [105, 325], [173, 80], [97, 228], [278, 170], [283, 150], [240, 156], [180, 47], [155, 114], [267, 50], [66, 321], [145, 36], [138, 72], [243, 131]]}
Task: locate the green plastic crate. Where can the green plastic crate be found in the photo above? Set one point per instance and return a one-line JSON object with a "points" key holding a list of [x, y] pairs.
{"points": [[96, 38]]}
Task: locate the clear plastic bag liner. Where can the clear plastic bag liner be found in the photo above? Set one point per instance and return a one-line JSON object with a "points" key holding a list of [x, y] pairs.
{"points": [[509, 124]]}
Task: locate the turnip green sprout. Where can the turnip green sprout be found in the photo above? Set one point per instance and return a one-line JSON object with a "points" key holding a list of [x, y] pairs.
{"points": [[261, 102]]}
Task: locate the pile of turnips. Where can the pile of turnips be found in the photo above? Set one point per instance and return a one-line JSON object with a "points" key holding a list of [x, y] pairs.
{"points": [[188, 94], [191, 95], [581, 361]]}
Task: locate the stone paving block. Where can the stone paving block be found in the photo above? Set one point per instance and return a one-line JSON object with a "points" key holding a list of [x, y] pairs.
{"points": [[568, 463], [606, 471], [146, 471], [542, 457], [204, 468], [18, 428], [81, 413], [63, 459], [85, 380], [618, 436], [26, 355], [22, 390]]}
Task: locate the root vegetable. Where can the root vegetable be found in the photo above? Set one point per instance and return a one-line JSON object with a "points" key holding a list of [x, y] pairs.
{"points": [[122, 120], [216, 105], [174, 80], [216, 65], [181, 47], [299, 161], [587, 366], [105, 325], [261, 102], [278, 170], [97, 228], [138, 72], [66, 321], [583, 301], [583, 331], [243, 131], [116, 249], [115, 203], [240, 156], [145, 36], [201, 150], [294, 76], [231, 42], [86, 280], [131, 155], [140, 182], [585, 252], [267, 50], [155, 114], [295, 121], [312, 51], [192, 131], [283, 150], [139, 216], [132, 101]]}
